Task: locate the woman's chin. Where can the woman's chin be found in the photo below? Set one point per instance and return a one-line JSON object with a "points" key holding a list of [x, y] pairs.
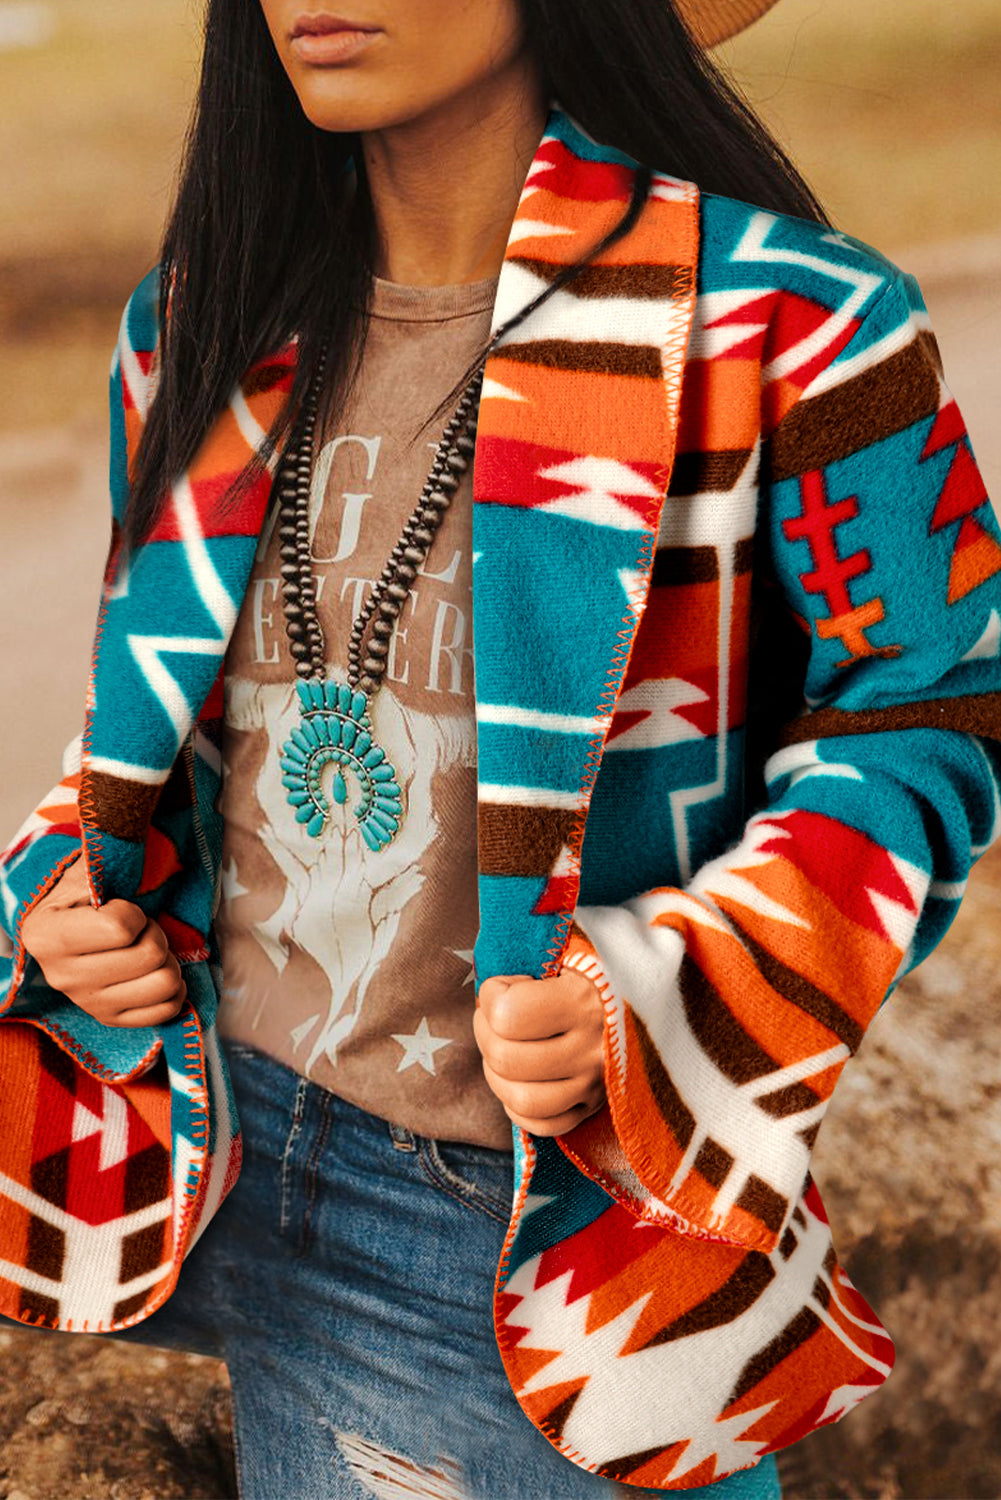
{"points": [[344, 104]]}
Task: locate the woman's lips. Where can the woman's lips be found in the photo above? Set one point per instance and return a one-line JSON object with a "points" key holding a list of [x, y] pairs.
{"points": [[327, 40]]}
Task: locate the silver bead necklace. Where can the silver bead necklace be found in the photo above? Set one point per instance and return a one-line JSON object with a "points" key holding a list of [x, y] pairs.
{"points": [[335, 723]]}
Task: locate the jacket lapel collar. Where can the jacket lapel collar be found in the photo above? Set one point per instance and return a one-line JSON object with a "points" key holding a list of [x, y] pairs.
{"points": [[575, 446]]}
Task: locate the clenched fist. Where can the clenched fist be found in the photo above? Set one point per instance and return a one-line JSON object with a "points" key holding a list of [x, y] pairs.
{"points": [[541, 1042], [112, 961]]}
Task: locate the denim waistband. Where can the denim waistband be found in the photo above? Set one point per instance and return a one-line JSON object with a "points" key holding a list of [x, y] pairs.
{"points": [[404, 1138]]}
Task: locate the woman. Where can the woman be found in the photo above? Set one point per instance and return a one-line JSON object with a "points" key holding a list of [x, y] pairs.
{"points": [[715, 463]]}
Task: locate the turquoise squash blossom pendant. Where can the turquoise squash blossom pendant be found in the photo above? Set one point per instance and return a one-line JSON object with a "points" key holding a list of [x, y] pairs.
{"points": [[335, 726]]}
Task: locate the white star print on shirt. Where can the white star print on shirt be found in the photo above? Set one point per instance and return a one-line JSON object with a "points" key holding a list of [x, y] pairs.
{"points": [[419, 1047], [466, 954], [231, 887]]}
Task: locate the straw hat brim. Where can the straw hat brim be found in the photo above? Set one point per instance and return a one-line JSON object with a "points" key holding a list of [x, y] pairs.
{"points": [[712, 21]]}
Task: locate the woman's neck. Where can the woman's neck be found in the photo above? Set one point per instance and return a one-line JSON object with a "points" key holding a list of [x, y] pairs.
{"points": [[445, 186]]}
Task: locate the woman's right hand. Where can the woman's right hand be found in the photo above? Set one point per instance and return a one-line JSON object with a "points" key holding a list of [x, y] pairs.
{"points": [[112, 961]]}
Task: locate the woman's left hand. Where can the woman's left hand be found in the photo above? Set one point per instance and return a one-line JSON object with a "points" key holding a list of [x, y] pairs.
{"points": [[542, 1047]]}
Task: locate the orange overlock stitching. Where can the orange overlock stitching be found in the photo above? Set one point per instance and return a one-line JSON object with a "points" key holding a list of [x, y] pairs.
{"points": [[674, 374], [625, 1128], [94, 860], [94, 1066], [575, 843], [200, 1131], [611, 1186], [673, 380]]}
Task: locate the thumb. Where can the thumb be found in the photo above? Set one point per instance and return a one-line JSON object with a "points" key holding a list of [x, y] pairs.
{"points": [[501, 981], [71, 889]]}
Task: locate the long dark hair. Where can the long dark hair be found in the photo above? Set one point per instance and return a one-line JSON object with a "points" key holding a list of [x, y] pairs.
{"points": [[265, 242]]}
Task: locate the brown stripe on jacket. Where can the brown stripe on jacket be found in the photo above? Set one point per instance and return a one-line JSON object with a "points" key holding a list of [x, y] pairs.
{"points": [[718, 1031], [796, 1332], [973, 713], [46, 1249], [588, 355], [673, 1110], [760, 1199], [556, 1419], [794, 1099], [117, 806], [802, 993], [713, 1162], [674, 567], [646, 281], [517, 840], [147, 1178], [143, 1251], [864, 409], [929, 344], [737, 1294], [36, 1308], [697, 473], [630, 1463]]}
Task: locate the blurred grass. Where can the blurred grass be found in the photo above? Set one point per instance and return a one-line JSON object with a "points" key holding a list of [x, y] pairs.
{"points": [[891, 107]]}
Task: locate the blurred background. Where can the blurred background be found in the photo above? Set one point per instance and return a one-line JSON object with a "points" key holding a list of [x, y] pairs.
{"points": [[892, 108]]}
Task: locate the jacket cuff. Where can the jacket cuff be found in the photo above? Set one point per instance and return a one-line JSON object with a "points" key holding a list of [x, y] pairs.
{"points": [[619, 1146], [606, 1146]]}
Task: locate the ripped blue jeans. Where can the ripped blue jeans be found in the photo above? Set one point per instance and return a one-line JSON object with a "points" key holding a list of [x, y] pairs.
{"points": [[347, 1283]]}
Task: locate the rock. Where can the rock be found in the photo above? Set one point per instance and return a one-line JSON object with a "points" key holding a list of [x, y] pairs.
{"points": [[90, 1419]]}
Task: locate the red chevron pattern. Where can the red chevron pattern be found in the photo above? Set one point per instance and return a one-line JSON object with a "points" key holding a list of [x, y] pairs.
{"points": [[529, 474], [976, 556]]}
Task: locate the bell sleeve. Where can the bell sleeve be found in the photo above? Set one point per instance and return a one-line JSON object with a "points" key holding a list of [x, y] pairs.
{"points": [[732, 1004]]}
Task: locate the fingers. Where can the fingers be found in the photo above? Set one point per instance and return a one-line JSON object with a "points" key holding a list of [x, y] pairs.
{"points": [[549, 1107], [112, 961], [542, 1046], [156, 1015], [72, 888], [557, 1124], [151, 1000], [64, 925], [88, 929], [525, 1009], [41, 925], [560, 1125], [92, 969], [569, 1055]]}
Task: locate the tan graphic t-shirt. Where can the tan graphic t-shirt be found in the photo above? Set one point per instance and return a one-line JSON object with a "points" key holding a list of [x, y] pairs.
{"points": [[350, 965]]}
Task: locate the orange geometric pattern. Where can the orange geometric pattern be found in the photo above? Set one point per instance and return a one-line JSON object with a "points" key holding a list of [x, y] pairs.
{"points": [[976, 558]]}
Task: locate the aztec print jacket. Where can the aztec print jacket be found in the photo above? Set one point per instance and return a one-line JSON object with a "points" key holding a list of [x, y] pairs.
{"points": [[737, 632]]}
